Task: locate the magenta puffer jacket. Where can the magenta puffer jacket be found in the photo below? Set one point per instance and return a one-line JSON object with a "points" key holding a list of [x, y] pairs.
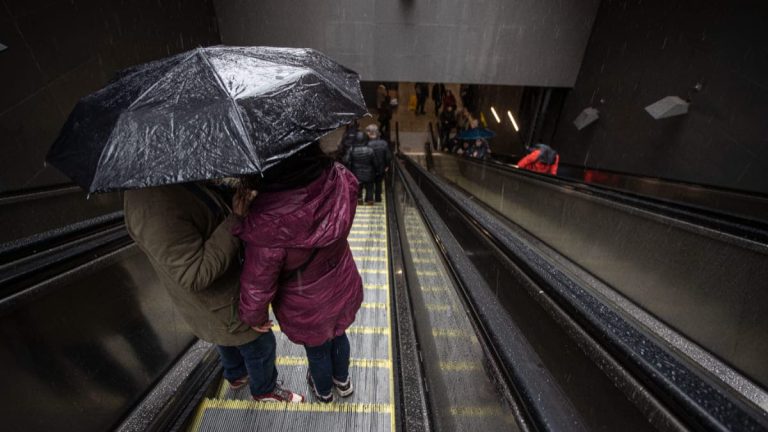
{"points": [[280, 233]]}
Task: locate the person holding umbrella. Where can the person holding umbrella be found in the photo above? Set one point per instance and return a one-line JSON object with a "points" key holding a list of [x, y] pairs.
{"points": [[161, 129], [185, 231], [297, 258]]}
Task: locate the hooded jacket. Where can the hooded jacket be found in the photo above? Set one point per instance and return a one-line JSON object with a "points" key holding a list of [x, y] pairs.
{"points": [[194, 254], [542, 160], [280, 233], [362, 161]]}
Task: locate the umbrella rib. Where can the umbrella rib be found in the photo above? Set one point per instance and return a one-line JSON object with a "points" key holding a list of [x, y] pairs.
{"points": [[232, 101], [157, 82]]}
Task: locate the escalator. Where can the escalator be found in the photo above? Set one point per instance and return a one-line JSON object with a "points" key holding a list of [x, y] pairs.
{"points": [[474, 317]]}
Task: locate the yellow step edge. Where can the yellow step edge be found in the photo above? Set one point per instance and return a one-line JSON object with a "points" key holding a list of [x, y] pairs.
{"points": [[374, 305], [373, 271], [370, 259], [351, 408], [376, 286], [353, 330], [368, 248], [354, 362]]}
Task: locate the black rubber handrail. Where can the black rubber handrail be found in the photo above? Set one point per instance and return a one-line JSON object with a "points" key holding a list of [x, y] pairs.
{"points": [[701, 401]]}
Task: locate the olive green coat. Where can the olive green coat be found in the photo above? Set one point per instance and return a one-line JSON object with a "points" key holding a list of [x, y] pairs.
{"points": [[195, 256]]}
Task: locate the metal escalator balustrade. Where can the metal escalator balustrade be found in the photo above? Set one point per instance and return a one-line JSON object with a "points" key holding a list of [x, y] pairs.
{"points": [[463, 394], [702, 282], [371, 406], [604, 361]]}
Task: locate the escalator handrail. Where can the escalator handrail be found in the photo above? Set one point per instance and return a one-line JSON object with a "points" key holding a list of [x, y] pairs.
{"points": [[690, 394]]}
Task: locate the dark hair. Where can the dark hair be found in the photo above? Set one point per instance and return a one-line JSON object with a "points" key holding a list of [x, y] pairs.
{"points": [[297, 171]]}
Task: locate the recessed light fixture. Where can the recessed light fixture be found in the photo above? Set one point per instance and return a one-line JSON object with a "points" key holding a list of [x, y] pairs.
{"points": [[586, 117], [512, 119], [498, 120], [3, 47], [669, 106]]}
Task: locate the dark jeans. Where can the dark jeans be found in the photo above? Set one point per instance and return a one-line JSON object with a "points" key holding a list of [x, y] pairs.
{"points": [[368, 188], [255, 359], [330, 359], [377, 187]]}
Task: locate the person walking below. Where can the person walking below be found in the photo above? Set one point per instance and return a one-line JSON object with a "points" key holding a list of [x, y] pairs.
{"points": [[422, 92], [542, 159], [438, 92], [383, 159], [449, 100], [361, 160], [185, 232], [447, 123], [385, 117], [297, 258]]}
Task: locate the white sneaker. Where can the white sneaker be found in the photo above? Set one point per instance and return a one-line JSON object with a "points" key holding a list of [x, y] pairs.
{"points": [[344, 388]]}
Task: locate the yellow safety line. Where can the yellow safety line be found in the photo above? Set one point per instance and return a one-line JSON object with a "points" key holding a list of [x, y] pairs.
{"points": [[432, 289], [355, 362], [476, 411], [438, 332], [373, 305], [460, 366], [352, 408], [439, 307], [353, 330], [376, 286], [367, 240], [370, 258], [373, 271], [368, 248]]}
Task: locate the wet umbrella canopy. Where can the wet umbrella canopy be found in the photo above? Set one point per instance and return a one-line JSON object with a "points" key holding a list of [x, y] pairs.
{"points": [[207, 113], [476, 133]]}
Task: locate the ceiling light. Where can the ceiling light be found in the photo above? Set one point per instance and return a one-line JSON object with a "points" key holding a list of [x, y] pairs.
{"points": [[512, 119], [498, 120]]}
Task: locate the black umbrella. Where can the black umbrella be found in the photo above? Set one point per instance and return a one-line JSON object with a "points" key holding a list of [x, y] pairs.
{"points": [[207, 113]]}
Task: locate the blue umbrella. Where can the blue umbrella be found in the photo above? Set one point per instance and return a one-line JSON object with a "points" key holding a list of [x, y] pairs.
{"points": [[476, 133]]}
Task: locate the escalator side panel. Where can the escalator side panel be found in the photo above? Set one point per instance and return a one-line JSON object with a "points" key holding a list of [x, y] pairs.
{"points": [[704, 284], [81, 349]]}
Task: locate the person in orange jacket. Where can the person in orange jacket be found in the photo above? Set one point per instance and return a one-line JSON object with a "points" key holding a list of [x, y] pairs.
{"points": [[542, 159]]}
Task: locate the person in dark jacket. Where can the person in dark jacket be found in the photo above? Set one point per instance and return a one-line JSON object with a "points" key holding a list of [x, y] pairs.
{"points": [[449, 99], [362, 162], [385, 117], [298, 260], [185, 232], [447, 123], [542, 159], [348, 140], [383, 158], [438, 92], [422, 93]]}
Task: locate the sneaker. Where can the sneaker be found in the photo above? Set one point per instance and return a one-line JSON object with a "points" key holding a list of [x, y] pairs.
{"points": [[279, 394], [344, 388], [318, 396], [238, 383]]}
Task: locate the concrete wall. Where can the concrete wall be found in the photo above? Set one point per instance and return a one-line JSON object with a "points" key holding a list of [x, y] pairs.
{"points": [[59, 51], [641, 51], [511, 42]]}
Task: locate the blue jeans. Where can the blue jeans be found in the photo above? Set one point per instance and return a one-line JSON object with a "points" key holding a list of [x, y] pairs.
{"points": [[330, 359], [255, 359]]}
